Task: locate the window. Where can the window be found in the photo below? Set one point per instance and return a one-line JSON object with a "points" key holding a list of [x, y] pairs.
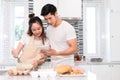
{"points": [[91, 30], [92, 26], [19, 22], [13, 22]]}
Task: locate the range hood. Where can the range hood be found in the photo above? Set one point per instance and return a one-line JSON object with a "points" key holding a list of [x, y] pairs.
{"points": [[71, 18]]}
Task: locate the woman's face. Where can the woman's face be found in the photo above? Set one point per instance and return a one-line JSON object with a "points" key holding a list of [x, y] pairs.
{"points": [[36, 29]]}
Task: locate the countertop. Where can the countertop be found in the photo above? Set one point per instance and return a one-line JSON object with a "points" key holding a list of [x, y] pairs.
{"points": [[88, 76], [77, 63], [96, 63], [46, 65]]}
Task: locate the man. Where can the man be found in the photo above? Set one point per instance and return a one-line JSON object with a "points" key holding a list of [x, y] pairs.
{"points": [[62, 37]]}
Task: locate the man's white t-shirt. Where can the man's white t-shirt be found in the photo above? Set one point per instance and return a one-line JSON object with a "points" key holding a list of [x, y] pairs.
{"points": [[58, 38]]}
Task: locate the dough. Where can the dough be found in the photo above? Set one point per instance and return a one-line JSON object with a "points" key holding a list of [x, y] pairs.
{"points": [[24, 66]]}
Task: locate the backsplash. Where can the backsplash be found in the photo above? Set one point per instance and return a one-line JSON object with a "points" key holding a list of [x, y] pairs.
{"points": [[78, 25]]}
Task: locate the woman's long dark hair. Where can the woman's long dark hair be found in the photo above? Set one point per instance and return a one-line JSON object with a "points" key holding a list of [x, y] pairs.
{"points": [[36, 19]]}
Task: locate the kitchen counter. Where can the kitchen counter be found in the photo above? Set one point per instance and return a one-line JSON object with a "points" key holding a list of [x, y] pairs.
{"points": [[90, 75], [95, 63], [77, 63], [5, 76], [48, 65]]}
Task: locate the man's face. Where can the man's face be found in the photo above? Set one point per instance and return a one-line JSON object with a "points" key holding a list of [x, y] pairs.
{"points": [[51, 19]]}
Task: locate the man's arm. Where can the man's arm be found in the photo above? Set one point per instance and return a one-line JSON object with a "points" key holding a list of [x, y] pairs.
{"points": [[72, 48]]}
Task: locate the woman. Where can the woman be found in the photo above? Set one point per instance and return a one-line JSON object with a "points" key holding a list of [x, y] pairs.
{"points": [[31, 42]]}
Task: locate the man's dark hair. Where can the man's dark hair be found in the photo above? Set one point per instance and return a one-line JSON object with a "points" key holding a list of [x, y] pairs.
{"points": [[48, 8]]}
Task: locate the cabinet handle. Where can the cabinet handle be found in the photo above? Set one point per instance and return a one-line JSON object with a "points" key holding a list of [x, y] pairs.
{"points": [[110, 65], [112, 36]]}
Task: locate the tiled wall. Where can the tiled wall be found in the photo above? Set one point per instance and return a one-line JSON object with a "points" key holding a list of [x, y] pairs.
{"points": [[78, 25]]}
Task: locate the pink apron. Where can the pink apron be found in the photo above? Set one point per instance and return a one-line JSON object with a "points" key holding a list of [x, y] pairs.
{"points": [[31, 52]]}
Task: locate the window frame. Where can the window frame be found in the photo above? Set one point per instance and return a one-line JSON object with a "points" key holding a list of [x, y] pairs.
{"points": [[7, 56], [25, 5], [98, 29]]}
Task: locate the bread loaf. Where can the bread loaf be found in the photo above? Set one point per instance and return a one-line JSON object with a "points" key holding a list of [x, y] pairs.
{"points": [[62, 69]]}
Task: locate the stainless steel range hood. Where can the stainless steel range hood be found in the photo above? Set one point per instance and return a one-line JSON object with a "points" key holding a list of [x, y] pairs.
{"points": [[71, 18]]}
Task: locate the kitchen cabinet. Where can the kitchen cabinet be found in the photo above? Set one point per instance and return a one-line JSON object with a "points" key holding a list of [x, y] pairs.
{"points": [[114, 5], [115, 36], [106, 72], [114, 30], [85, 67], [115, 72], [38, 4], [66, 8], [103, 72], [69, 8]]}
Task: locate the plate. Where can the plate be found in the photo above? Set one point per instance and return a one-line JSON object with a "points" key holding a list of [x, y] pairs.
{"points": [[70, 75]]}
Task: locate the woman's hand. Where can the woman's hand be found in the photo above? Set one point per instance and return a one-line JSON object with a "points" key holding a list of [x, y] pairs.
{"points": [[36, 62], [14, 53]]}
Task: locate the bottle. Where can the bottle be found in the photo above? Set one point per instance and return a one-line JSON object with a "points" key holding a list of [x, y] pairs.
{"points": [[78, 57], [84, 58]]}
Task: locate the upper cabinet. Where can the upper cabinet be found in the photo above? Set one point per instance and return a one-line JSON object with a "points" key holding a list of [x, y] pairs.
{"points": [[66, 8], [69, 8], [114, 30], [38, 4], [114, 5]]}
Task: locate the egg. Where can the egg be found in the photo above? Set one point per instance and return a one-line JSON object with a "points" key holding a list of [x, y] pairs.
{"points": [[26, 72], [10, 71], [20, 72], [15, 72]]}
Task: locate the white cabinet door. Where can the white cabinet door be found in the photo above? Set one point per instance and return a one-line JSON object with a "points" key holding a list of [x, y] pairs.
{"points": [[103, 72], [38, 4], [115, 5], [85, 67], [69, 8], [66, 8], [115, 72], [115, 36], [114, 29]]}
